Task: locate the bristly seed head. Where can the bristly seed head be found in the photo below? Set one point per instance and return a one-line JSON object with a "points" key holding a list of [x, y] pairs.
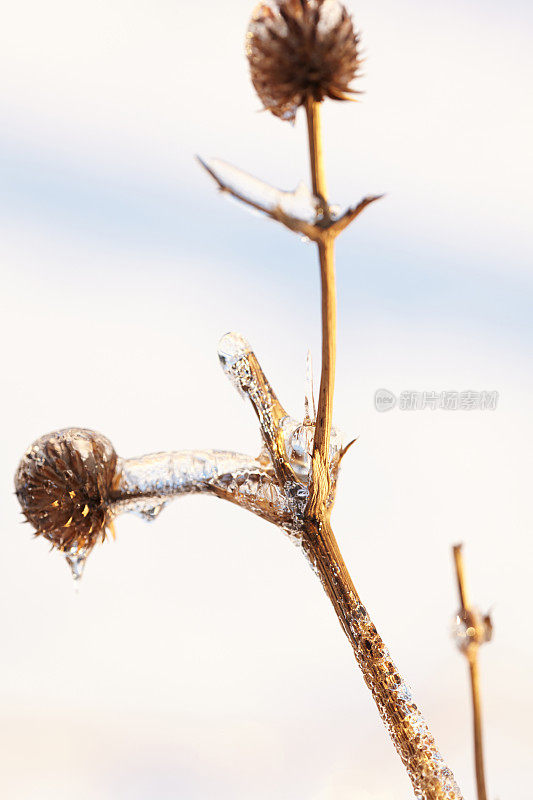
{"points": [[299, 49], [63, 484]]}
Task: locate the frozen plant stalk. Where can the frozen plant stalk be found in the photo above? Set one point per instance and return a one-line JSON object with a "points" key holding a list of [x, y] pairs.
{"points": [[71, 484]]}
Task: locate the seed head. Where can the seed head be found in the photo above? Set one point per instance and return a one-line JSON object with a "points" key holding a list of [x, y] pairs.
{"points": [[299, 49], [63, 484]]}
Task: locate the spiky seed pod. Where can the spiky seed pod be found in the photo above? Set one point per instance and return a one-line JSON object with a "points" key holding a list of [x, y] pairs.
{"points": [[63, 484], [299, 49]]}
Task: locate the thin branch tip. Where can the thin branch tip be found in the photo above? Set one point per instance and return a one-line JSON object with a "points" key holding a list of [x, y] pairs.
{"points": [[346, 448]]}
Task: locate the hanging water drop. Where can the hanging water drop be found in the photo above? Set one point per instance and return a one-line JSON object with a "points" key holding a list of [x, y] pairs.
{"points": [[76, 562], [152, 512]]}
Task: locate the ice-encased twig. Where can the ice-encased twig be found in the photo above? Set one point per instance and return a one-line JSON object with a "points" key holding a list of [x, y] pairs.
{"points": [[69, 468], [299, 204], [431, 777], [269, 485], [299, 210], [243, 369], [146, 484]]}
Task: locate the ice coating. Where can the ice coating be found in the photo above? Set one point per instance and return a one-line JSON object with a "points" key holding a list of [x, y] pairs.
{"points": [[299, 204], [412, 738], [431, 778], [232, 349], [297, 209], [471, 629], [288, 441], [147, 483], [430, 775], [71, 483], [78, 476]]}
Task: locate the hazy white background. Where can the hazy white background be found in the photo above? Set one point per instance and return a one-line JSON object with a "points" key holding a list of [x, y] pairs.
{"points": [[200, 657]]}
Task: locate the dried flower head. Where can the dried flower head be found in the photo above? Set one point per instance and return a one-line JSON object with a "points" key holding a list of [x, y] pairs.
{"points": [[63, 484], [299, 49]]}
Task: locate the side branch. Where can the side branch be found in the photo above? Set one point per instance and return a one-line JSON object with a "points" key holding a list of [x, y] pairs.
{"points": [[431, 778], [240, 364], [352, 213], [274, 211], [280, 205]]}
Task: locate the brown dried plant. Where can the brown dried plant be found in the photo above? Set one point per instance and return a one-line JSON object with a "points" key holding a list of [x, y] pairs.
{"points": [[71, 483]]}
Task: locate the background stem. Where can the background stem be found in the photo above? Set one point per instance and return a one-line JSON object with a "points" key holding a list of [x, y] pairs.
{"points": [[471, 617], [478, 733]]}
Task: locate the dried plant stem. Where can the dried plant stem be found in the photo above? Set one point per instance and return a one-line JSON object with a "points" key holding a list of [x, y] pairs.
{"points": [[314, 132], [478, 732], [471, 653], [460, 575], [430, 777], [325, 243], [320, 481]]}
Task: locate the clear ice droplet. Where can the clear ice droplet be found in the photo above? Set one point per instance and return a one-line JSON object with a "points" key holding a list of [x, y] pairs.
{"points": [[232, 352], [231, 348], [152, 512], [76, 562]]}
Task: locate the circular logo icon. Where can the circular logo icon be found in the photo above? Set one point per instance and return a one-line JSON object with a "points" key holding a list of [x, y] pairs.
{"points": [[384, 400]]}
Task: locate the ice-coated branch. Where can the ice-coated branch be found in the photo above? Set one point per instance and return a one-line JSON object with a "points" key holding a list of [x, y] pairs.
{"points": [[300, 211], [71, 484], [145, 485], [243, 369], [296, 210], [430, 776]]}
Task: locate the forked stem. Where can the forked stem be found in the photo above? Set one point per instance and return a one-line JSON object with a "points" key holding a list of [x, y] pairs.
{"points": [[431, 778]]}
